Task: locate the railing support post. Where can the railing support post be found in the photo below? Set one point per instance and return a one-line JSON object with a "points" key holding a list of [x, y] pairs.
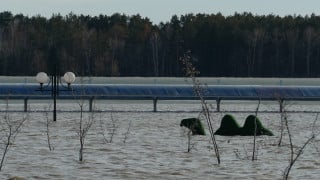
{"points": [[218, 104], [155, 99], [281, 105], [91, 104], [25, 104], [54, 94]]}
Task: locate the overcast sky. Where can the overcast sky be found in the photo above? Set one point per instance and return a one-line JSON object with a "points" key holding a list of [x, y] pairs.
{"points": [[160, 10]]}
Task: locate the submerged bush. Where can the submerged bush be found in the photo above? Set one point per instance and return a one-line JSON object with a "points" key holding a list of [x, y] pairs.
{"points": [[194, 124], [249, 124], [230, 127]]}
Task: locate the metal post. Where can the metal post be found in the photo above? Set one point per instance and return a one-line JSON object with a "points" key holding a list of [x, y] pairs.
{"points": [[25, 104], [54, 93], [155, 99], [218, 104], [281, 105], [91, 104]]}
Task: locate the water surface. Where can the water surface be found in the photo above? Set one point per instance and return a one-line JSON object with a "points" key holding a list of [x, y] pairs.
{"points": [[155, 145]]}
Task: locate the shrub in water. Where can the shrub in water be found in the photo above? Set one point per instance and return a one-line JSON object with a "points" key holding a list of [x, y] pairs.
{"points": [[194, 124], [249, 124], [228, 126]]}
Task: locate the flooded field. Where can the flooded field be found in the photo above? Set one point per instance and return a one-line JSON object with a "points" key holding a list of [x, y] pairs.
{"points": [[152, 145]]}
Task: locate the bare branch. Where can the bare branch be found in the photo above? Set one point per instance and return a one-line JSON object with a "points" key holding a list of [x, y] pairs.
{"points": [[293, 158], [255, 133], [191, 72], [11, 129], [126, 135]]}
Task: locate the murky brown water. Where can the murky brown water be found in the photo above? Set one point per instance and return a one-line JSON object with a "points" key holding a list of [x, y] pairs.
{"points": [[156, 146]]}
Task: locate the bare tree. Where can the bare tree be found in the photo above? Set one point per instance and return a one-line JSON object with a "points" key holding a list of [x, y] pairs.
{"points": [[277, 38], [102, 127], [112, 129], [85, 124], [254, 40], [191, 72], [187, 131], [115, 44], [282, 115], [292, 36], [254, 156], [126, 134], [48, 123], [189, 135], [154, 41], [9, 131], [309, 37], [86, 46], [295, 155]]}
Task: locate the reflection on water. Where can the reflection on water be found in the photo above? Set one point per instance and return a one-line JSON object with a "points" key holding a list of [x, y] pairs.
{"points": [[156, 146]]}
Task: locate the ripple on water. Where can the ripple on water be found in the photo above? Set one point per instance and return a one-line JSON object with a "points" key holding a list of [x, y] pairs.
{"points": [[156, 148]]}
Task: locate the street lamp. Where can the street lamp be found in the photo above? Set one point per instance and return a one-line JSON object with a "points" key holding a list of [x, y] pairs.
{"points": [[69, 78], [42, 78]]}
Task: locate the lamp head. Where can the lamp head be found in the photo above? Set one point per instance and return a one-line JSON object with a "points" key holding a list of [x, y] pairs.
{"points": [[42, 78], [69, 78]]}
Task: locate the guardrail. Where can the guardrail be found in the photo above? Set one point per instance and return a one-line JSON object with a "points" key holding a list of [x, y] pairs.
{"points": [[154, 99], [163, 92]]}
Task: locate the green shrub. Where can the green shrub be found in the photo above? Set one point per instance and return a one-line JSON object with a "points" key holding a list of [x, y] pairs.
{"points": [[228, 126], [249, 124], [194, 124]]}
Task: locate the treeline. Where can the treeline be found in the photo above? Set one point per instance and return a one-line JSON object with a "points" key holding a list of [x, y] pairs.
{"points": [[242, 45]]}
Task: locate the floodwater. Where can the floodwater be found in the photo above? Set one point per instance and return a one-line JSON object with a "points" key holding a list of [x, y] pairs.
{"points": [[152, 145]]}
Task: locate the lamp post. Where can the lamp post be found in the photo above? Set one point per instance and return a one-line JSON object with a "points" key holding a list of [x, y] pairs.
{"points": [[54, 80]]}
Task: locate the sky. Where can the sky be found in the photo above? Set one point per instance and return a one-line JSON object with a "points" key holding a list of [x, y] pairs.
{"points": [[160, 10]]}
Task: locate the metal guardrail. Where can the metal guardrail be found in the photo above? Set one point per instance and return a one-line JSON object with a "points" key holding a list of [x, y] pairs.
{"points": [[155, 99], [161, 92]]}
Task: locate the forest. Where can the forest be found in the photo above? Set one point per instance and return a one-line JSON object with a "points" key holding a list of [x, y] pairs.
{"points": [[240, 45]]}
